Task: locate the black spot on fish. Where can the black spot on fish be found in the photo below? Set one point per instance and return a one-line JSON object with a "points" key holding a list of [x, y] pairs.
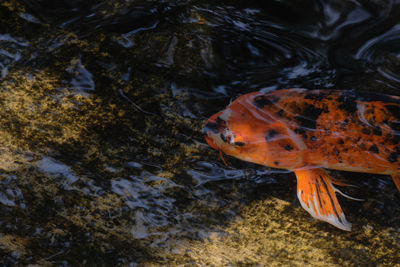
{"points": [[393, 156], [377, 131], [366, 131], [261, 101], [271, 134], [310, 111], [340, 142], [276, 163], [288, 147], [239, 144], [374, 149], [309, 116], [306, 122]]}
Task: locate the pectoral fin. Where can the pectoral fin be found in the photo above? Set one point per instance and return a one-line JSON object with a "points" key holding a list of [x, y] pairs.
{"points": [[317, 196]]}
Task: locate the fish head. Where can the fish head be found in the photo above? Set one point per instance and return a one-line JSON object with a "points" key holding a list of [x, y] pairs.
{"points": [[218, 133], [239, 131], [250, 133]]}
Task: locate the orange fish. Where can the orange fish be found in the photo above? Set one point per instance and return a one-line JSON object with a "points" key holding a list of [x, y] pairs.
{"points": [[308, 131]]}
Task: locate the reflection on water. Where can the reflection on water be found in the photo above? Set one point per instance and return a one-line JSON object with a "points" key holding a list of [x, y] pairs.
{"points": [[103, 160], [59, 171], [9, 52], [10, 194], [205, 172], [81, 78]]}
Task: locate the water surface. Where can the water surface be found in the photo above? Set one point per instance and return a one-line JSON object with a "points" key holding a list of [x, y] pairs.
{"points": [[103, 160]]}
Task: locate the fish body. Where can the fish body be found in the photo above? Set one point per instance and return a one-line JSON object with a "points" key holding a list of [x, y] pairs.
{"points": [[308, 131]]}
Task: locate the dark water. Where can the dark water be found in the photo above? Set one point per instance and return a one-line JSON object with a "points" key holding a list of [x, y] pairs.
{"points": [[103, 158]]}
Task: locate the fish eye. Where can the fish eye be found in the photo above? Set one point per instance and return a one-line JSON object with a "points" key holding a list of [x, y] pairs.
{"points": [[230, 139], [227, 138]]}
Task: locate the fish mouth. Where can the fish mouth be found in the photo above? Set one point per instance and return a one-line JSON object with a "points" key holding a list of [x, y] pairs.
{"points": [[213, 130], [210, 130], [215, 124], [213, 127]]}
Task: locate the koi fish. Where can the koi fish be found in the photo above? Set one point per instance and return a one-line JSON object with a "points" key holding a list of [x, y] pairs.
{"points": [[308, 131]]}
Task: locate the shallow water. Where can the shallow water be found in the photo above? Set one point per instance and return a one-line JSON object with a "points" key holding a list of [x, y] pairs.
{"points": [[103, 156]]}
